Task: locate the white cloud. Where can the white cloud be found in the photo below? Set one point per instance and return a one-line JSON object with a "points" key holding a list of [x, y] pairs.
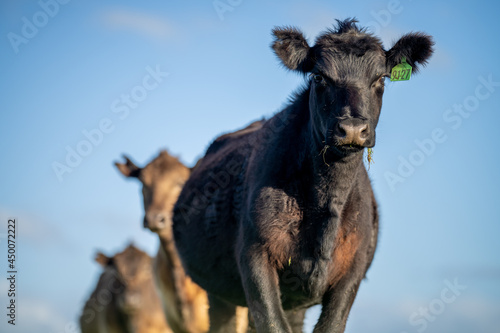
{"points": [[146, 24]]}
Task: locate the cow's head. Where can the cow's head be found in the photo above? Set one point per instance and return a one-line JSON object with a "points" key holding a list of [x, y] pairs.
{"points": [[347, 68], [127, 287], [130, 278], [162, 180]]}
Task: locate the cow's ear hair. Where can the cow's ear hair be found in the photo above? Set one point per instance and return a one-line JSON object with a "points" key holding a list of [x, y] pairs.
{"points": [[292, 49], [417, 47], [102, 259], [128, 169]]}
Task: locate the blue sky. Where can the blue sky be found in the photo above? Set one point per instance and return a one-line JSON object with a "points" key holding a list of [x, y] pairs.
{"points": [[439, 221]]}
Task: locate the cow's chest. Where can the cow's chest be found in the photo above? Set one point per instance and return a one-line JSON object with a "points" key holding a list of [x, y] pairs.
{"points": [[306, 273], [311, 248]]}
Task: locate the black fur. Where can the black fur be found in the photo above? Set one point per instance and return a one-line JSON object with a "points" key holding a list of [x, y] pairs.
{"points": [[281, 216], [417, 47], [292, 49]]}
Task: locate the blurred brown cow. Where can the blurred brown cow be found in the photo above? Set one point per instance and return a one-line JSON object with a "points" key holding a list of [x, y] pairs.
{"points": [[125, 299], [185, 303]]}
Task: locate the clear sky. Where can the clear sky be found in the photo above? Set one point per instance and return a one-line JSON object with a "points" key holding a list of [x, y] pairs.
{"points": [[65, 74]]}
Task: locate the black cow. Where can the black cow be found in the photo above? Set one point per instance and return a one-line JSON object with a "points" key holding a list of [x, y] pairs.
{"points": [[282, 216]]}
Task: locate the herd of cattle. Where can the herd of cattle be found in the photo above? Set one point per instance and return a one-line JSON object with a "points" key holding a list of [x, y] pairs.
{"points": [[274, 218]]}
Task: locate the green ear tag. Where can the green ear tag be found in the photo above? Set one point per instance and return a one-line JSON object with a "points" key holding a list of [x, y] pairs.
{"points": [[401, 72]]}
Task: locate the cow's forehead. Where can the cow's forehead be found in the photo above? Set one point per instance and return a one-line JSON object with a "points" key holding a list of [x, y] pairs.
{"points": [[160, 170], [128, 261], [353, 41], [341, 66]]}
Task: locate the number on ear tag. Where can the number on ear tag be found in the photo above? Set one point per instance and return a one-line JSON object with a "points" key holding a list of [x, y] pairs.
{"points": [[401, 72]]}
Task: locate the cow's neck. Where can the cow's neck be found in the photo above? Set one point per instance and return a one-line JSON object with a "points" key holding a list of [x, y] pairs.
{"points": [[169, 251], [333, 177], [176, 273], [333, 181], [327, 178], [173, 262]]}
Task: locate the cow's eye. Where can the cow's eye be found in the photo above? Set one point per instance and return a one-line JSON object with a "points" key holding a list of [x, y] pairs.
{"points": [[379, 81], [382, 78], [318, 78]]}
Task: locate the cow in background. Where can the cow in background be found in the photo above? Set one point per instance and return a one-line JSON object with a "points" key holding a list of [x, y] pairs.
{"points": [[185, 303], [125, 299]]}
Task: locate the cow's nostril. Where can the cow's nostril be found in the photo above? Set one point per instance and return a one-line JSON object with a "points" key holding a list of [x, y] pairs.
{"points": [[351, 132], [364, 131], [341, 130], [155, 221]]}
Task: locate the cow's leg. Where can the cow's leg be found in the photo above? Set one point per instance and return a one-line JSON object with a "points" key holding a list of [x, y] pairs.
{"points": [[251, 324], [222, 315], [260, 282], [337, 303], [296, 319], [241, 319]]}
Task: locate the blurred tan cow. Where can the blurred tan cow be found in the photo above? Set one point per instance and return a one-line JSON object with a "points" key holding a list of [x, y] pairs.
{"points": [[185, 303], [125, 299]]}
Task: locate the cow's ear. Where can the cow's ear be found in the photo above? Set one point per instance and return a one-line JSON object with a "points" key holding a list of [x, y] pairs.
{"points": [[291, 47], [128, 169], [416, 47], [102, 259]]}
